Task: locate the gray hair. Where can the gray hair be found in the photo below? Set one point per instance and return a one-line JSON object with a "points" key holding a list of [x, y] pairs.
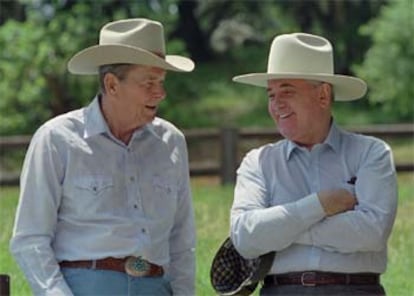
{"points": [[316, 83], [119, 70]]}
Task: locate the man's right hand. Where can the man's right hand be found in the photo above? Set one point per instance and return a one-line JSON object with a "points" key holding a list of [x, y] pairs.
{"points": [[337, 201]]}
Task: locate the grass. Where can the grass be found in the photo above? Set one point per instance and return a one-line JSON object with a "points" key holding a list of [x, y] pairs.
{"points": [[8, 202], [212, 203]]}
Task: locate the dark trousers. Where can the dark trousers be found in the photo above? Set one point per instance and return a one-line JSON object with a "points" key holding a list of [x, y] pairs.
{"points": [[323, 290]]}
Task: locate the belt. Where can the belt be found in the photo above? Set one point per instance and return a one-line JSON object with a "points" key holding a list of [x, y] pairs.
{"points": [[314, 278], [134, 266]]}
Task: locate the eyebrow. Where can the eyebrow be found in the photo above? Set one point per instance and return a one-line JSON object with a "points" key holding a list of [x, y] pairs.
{"points": [[287, 85], [153, 77], [282, 85]]}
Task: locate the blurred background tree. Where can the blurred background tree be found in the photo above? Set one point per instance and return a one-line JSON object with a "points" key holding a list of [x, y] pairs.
{"points": [[224, 37], [388, 66]]}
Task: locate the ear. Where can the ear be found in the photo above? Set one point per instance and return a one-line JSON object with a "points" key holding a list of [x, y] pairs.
{"points": [[325, 95], [111, 83]]}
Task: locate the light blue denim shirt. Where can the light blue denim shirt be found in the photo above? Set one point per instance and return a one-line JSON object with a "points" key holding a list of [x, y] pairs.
{"points": [[86, 195], [276, 206]]}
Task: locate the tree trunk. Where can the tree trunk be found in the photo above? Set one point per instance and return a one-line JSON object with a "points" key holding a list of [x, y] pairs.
{"points": [[188, 28]]}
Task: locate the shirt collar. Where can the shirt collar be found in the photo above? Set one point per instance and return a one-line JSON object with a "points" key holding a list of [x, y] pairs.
{"points": [[332, 140], [334, 137], [151, 127], [95, 123]]}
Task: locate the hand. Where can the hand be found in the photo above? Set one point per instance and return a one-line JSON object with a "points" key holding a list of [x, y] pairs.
{"points": [[337, 201]]}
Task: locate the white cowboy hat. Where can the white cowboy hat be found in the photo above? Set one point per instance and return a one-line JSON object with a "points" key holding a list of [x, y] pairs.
{"points": [[305, 56], [131, 41]]}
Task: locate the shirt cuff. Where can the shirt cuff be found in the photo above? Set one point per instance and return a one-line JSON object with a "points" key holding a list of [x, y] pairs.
{"points": [[310, 209]]}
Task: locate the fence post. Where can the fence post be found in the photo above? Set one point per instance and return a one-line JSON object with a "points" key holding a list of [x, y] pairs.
{"points": [[228, 140], [4, 285]]}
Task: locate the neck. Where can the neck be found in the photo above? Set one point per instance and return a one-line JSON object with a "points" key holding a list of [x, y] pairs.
{"points": [[320, 137], [120, 127]]}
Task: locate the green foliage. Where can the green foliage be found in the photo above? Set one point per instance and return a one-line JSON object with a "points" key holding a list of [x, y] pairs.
{"points": [[34, 79], [36, 86], [388, 67], [208, 96], [34, 82]]}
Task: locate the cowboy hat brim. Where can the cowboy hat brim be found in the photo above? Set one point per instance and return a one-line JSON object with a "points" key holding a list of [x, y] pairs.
{"points": [[88, 60], [346, 88]]}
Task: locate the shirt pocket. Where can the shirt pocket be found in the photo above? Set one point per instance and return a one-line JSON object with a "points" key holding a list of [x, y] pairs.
{"points": [[163, 184], [87, 195], [164, 197], [93, 185]]}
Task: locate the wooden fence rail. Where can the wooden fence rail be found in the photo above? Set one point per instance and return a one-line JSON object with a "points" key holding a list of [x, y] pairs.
{"points": [[227, 146]]}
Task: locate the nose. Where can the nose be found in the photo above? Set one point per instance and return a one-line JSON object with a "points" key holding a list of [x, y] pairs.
{"points": [[159, 92]]}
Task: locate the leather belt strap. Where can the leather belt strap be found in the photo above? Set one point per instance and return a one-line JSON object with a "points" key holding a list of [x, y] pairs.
{"points": [[314, 278], [114, 264]]}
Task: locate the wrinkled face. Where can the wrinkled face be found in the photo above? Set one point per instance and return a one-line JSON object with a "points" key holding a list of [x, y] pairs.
{"points": [[138, 95], [300, 108]]}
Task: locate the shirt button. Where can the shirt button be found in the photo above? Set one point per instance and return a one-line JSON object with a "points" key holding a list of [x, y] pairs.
{"points": [[135, 206], [143, 230], [132, 179]]}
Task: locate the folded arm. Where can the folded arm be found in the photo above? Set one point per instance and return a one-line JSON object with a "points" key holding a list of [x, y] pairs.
{"points": [[368, 226], [254, 220]]}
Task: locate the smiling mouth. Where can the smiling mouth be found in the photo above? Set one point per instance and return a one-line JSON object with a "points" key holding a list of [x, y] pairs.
{"points": [[284, 116], [152, 108]]}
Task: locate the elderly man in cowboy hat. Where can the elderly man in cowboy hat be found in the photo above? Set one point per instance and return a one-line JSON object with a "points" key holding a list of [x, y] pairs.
{"points": [[323, 198], [105, 205]]}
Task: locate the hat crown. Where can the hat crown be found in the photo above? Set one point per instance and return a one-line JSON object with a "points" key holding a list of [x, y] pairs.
{"points": [[140, 33], [300, 53], [137, 41]]}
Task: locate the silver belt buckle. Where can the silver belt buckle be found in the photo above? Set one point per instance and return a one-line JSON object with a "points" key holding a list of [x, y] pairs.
{"points": [[308, 275], [136, 266]]}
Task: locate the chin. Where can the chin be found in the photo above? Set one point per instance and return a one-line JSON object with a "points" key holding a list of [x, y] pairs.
{"points": [[150, 119], [290, 135]]}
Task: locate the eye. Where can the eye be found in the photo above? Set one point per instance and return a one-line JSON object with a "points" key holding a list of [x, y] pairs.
{"points": [[288, 91], [146, 84]]}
